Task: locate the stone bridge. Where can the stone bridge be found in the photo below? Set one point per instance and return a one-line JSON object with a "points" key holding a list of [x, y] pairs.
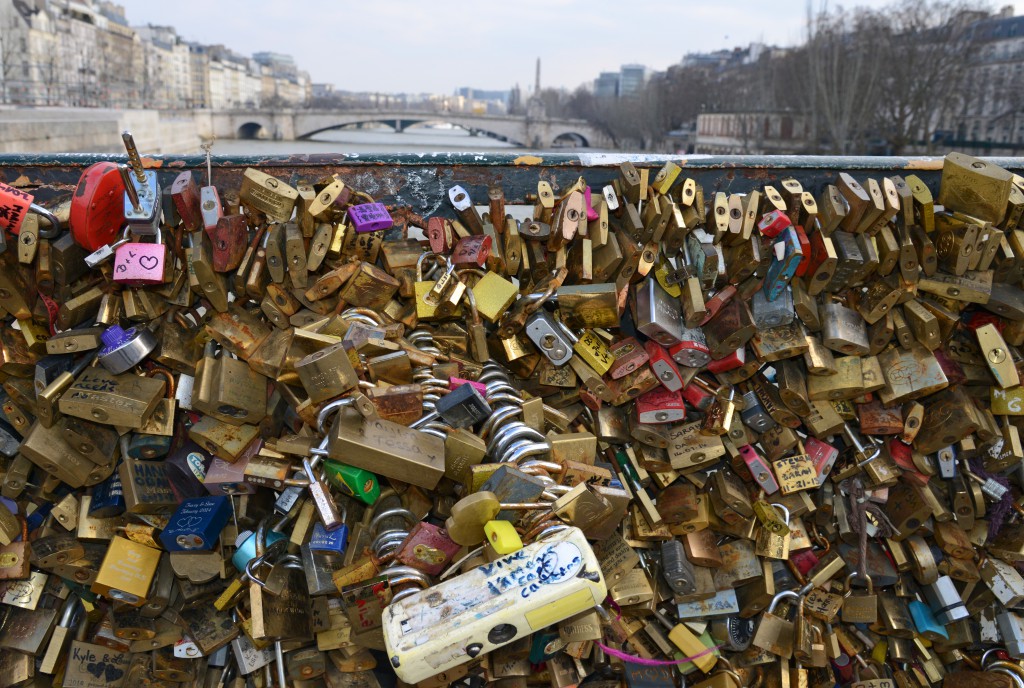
{"points": [[300, 124]]}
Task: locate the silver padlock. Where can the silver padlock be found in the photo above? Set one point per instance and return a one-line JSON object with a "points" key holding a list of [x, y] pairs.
{"points": [[843, 330], [946, 460], [106, 252], [549, 337], [753, 414], [319, 565], [677, 569], [1011, 628], [141, 192], [945, 601], [768, 314], [249, 658], [850, 263], [656, 314]]}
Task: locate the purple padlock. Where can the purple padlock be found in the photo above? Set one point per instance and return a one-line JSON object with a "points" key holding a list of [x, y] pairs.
{"points": [[370, 217]]}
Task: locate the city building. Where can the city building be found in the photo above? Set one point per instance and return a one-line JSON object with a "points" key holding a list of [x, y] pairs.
{"points": [[85, 53], [632, 79], [606, 85], [991, 120], [750, 133], [629, 80]]}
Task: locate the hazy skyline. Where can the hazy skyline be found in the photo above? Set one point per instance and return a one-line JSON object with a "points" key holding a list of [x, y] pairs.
{"points": [[405, 46]]}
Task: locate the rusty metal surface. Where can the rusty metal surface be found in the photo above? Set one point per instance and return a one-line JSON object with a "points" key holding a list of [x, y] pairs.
{"points": [[421, 180]]}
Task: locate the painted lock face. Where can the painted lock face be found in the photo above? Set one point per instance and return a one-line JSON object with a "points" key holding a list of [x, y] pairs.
{"points": [[138, 264]]}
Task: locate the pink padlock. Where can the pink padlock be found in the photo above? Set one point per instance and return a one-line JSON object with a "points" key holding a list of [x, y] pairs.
{"points": [[454, 382], [137, 264]]}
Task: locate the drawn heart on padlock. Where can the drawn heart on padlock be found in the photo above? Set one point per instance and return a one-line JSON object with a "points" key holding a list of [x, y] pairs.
{"points": [[189, 521], [95, 669], [113, 673], [149, 262]]}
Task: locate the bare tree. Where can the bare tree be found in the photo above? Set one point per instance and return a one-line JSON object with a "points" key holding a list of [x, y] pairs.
{"points": [[925, 49], [842, 74]]}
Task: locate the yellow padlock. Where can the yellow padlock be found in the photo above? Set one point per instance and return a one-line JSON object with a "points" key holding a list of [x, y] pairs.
{"points": [[503, 536]]}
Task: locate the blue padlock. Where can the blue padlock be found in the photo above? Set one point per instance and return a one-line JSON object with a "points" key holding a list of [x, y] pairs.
{"points": [[925, 621], [107, 498], [786, 257], [196, 524], [245, 547], [323, 540]]}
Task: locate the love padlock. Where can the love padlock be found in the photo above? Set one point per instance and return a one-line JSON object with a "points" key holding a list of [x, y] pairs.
{"points": [[139, 264]]}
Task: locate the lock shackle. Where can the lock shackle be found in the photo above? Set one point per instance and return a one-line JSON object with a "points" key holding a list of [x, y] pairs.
{"points": [[471, 298], [360, 401], [1014, 671], [395, 512], [271, 550], [783, 509], [261, 533], [373, 317], [784, 595], [167, 376], [405, 575], [71, 611], [859, 445], [476, 272], [732, 674], [984, 663], [54, 231], [862, 576], [286, 561], [437, 257]]}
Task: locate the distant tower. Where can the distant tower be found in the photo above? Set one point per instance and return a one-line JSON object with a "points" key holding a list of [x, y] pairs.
{"points": [[536, 86]]}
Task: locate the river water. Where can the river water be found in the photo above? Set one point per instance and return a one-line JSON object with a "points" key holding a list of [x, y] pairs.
{"points": [[383, 140]]}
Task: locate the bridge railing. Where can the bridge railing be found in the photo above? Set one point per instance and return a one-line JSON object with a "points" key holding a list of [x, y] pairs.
{"points": [[421, 180]]}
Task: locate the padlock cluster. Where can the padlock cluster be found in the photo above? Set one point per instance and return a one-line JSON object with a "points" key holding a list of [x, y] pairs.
{"points": [[284, 434]]}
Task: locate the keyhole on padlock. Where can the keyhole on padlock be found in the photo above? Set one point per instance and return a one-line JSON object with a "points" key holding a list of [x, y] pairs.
{"points": [[501, 633]]}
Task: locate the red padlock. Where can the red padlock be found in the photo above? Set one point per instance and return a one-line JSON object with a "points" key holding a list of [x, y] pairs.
{"points": [[805, 247], [822, 454], [440, 235], [14, 206], [774, 223], [664, 367], [660, 406], [185, 194], [97, 208], [737, 359], [472, 251], [716, 302], [697, 397], [692, 351], [230, 239], [629, 355]]}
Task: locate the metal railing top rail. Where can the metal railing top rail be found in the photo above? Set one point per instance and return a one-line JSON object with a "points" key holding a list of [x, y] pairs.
{"points": [[421, 180]]}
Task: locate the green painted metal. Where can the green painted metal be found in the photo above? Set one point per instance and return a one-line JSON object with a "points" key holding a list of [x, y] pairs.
{"points": [[421, 180]]}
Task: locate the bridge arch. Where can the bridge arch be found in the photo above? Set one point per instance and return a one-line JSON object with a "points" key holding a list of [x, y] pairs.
{"points": [[570, 138], [252, 130], [403, 123], [393, 124]]}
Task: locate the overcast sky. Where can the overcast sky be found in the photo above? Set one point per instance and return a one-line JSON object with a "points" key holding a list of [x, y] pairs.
{"points": [[438, 45]]}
